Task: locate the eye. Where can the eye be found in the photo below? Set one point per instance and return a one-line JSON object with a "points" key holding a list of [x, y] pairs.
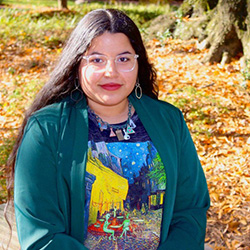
{"points": [[123, 59], [97, 59]]}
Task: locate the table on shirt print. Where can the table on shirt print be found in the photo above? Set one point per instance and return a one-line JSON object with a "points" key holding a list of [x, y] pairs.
{"points": [[120, 243], [140, 232], [125, 231], [124, 244]]}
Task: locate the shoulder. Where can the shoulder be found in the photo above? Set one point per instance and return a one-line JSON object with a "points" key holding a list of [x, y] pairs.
{"points": [[156, 107], [164, 105], [52, 116], [52, 111], [59, 110], [158, 113]]}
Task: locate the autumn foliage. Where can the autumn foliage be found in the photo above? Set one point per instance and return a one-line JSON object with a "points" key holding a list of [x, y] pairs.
{"points": [[215, 102]]}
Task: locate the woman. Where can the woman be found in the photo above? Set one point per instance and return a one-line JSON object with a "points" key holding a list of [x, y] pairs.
{"points": [[100, 162]]}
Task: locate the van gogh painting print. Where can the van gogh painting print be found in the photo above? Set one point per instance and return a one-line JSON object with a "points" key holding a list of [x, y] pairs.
{"points": [[125, 188]]}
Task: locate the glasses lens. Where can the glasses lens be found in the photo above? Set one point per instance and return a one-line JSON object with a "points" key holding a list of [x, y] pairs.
{"points": [[124, 63], [97, 61]]}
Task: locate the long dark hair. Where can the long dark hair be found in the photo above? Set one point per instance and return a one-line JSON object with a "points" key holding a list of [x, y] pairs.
{"points": [[61, 82]]}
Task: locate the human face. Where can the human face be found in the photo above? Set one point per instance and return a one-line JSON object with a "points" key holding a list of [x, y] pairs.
{"points": [[110, 86]]}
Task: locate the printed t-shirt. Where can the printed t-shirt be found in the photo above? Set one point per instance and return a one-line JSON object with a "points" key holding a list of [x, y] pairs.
{"points": [[125, 188]]}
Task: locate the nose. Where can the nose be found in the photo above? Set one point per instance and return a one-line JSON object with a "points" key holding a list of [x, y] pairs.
{"points": [[110, 68]]}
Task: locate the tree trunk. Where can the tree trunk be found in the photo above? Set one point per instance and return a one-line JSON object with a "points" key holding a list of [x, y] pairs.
{"points": [[226, 29], [223, 26], [197, 7], [62, 4], [223, 31]]}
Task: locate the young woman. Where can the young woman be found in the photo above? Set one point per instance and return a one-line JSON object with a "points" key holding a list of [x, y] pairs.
{"points": [[101, 163]]}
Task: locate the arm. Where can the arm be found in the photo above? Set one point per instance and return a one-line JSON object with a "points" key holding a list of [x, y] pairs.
{"points": [[41, 222], [188, 224]]}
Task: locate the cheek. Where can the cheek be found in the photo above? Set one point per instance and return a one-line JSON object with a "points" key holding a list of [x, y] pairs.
{"points": [[88, 78], [89, 73], [131, 79]]}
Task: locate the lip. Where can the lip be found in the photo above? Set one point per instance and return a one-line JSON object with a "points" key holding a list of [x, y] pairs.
{"points": [[111, 86]]}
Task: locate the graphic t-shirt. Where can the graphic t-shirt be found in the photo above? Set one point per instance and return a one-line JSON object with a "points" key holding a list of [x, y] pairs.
{"points": [[125, 188]]}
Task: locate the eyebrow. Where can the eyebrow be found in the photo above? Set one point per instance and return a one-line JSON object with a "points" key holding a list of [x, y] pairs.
{"points": [[126, 52], [98, 53]]}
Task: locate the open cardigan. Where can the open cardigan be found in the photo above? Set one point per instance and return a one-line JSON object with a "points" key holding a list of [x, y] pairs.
{"points": [[49, 191]]}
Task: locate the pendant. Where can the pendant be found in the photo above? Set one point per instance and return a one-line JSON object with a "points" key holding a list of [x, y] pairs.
{"points": [[100, 126], [103, 126], [131, 123], [112, 134], [126, 136], [130, 130], [119, 135]]}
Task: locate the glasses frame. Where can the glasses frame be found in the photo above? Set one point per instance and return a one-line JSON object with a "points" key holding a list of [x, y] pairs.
{"points": [[115, 60]]}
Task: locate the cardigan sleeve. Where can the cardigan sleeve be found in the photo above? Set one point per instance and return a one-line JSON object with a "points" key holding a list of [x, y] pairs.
{"points": [[41, 223], [188, 225]]}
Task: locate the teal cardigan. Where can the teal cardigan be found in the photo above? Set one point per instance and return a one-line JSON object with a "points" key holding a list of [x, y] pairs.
{"points": [[50, 167]]}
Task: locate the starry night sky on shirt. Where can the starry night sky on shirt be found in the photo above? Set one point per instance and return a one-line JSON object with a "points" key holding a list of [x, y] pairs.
{"points": [[138, 150], [139, 153]]}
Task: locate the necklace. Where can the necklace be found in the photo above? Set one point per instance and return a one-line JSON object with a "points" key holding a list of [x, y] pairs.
{"points": [[121, 131]]}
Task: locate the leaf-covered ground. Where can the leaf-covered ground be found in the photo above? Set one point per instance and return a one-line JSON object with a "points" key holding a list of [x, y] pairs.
{"points": [[213, 98], [216, 104]]}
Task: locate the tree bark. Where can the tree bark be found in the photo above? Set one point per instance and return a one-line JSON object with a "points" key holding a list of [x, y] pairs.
{"points": [[226, 32], [223, 31], [197, 7], [223, 26], [62, 4]]}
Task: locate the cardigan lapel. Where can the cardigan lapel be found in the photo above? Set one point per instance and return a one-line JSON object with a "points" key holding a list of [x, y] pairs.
{"points": [[157, 125], [79, 124]]}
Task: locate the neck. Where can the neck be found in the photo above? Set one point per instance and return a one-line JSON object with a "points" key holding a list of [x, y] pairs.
{"points": [[111, 113]]}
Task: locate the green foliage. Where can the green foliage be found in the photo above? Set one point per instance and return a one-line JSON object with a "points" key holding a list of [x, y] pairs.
{"points": [[51, 28], [24, 27], [17, 99], [158, 172], [48, 3], [5, 149], [196, 107], [142, 14], [246, 71], [162, 37]]}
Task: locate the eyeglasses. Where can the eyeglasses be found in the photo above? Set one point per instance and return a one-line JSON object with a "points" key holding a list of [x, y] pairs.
{"points": [[123, 63]]}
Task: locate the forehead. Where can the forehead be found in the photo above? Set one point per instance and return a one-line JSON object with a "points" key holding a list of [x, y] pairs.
{"points": [[110, 43]]}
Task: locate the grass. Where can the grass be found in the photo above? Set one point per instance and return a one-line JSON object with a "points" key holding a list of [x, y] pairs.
{"points": [[194, 105], [5, 149], [48, 3], [51, 28], [16, 99]]}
